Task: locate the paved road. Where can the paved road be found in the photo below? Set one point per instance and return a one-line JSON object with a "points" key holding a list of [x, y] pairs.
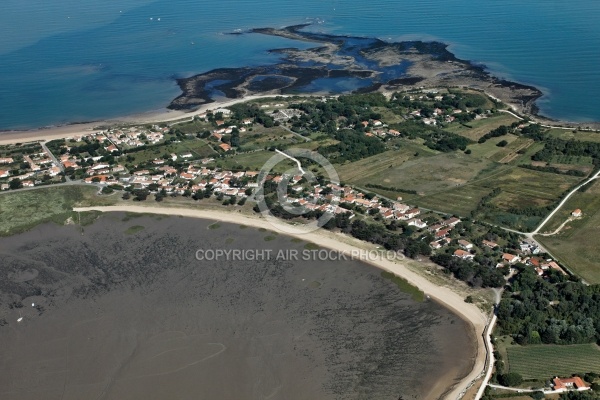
{"points": [[58, 164]]}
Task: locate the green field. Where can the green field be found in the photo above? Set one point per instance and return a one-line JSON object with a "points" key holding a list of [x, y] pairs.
{"points": [[198, 147], [542, 362], [577, 244], [425, 174], [22, 210], [254, 161], [482, 126], [586, 136]]}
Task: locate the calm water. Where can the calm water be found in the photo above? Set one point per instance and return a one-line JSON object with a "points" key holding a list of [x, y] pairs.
{"points": [[76, 60]]}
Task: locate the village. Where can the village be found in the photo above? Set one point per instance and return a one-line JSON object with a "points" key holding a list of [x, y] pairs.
{"points": [[99, 158]]}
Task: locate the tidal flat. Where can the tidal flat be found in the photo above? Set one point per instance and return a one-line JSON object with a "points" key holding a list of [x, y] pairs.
{"points": [[123, 309]]}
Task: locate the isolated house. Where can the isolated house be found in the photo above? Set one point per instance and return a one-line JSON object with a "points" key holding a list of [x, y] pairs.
{"points": [[574, 383]]}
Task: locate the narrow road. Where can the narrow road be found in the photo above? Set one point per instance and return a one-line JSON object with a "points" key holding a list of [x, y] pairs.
{"points": [[54, 159], [307, 139], [562, 203], [490, 357], [292, 158]]}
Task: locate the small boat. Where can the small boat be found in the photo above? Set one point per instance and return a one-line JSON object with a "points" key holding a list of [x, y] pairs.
{"points": [[20, 319]]}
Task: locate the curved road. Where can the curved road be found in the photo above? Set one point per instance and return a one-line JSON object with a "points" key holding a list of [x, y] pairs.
{"points": [[563, 202]]}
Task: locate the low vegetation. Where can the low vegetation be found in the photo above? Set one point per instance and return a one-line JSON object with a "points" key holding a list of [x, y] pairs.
{"points": [[22, 210]]}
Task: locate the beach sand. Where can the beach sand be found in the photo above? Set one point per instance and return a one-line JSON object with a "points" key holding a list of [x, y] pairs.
{"points": [[444, 295], [125, 311], [166, 116]]}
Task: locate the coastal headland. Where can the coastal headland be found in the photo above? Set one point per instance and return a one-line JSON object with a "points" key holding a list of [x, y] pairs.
{"points": [[379, 65]]}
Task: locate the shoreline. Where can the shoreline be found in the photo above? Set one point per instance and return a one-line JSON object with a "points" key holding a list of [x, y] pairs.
{"points": [[165, 116], [156, 117], [443, 295], [437, 68]]}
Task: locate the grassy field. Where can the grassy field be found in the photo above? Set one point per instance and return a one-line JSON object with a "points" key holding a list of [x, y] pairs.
{"points": [[577, 244], [198, 147], [254, 161], [574, 134], [482, 126], [459, 201], [21, 211], [371, 169], [542, 362], [425, 173]]}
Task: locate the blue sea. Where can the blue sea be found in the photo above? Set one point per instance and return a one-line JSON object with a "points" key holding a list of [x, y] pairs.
{"points": [[65, 61]]}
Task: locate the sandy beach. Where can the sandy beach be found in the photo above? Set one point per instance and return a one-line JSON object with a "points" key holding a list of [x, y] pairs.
{"points": [[342, 243], [162, 116]]}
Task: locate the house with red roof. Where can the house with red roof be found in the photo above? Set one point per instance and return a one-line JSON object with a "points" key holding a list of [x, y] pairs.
{"points": [[510, 258], [565, 384], [465, 255]]}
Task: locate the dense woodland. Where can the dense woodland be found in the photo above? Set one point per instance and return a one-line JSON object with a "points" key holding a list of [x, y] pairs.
{"points": [[554, 310]]}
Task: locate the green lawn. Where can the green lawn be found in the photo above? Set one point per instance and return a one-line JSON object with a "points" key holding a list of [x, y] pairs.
{"points": [[22, 210], [543, 362]]}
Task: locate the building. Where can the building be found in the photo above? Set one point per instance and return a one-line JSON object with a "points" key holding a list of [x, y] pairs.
{"points": [[489, 244], [465, 255], [465, 245], [574, 383], [576, 213], [510, 258]]}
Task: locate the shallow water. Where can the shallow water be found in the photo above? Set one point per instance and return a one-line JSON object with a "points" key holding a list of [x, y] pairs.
{"points": [[134, 315]]}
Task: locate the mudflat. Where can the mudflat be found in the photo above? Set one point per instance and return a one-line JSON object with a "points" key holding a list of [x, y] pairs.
{"points": [[124, 310]]}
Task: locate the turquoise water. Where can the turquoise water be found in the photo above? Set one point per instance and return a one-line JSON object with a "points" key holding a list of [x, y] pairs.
{"points": [[78, 60]]}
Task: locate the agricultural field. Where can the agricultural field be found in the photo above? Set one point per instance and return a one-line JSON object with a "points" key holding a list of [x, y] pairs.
{"points": [[458, 201], [511, 151], [542, 362], [22, 210], [481, 126], [526, 188], [586, 136], [490, 148], [577, 244], [376, 168], [424, 174]]}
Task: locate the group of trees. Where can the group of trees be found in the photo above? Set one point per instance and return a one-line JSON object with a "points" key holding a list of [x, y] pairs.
{"points": [[499, 131], [556, 310], [560, 147], [435, 138], [352, 146], [472, 272]]}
